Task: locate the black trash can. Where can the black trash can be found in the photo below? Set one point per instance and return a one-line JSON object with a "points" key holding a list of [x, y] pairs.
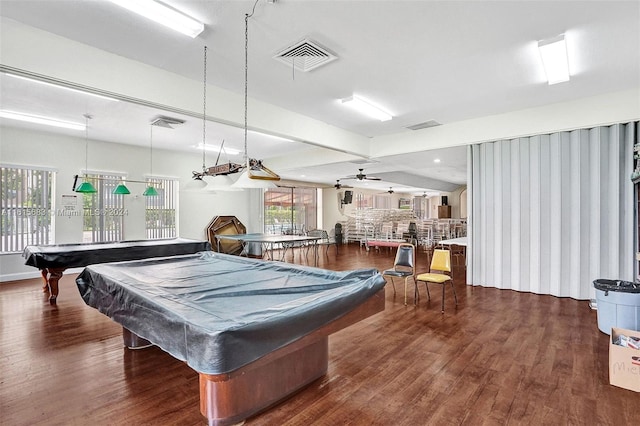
{"points": [[618, 304], [337, 231]]}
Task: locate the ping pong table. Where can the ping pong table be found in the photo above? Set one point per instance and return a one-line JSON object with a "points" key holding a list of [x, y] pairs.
{"points": [[269, 242]]}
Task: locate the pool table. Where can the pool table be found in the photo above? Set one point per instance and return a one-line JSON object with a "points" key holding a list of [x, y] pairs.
{"points": [[256, 331], [53, 260]]}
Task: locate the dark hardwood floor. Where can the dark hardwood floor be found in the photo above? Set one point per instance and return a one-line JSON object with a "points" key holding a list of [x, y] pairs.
{"points": [[501, 357]]}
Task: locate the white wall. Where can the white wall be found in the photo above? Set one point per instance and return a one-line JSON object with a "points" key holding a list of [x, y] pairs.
{"points": [[66, 154], [454, 202], [331, 211]]}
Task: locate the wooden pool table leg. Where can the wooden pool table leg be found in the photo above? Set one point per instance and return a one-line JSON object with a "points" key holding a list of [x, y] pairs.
{"points": [[51, 277], [227, 399], [45, 286]]}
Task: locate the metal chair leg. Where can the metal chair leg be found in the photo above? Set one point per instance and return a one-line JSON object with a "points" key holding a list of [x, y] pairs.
{"points": [[394, 285], [405, 291]]}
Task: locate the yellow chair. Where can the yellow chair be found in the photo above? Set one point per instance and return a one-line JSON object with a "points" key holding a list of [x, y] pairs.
{"points": [[403, 266], [441, 261]]}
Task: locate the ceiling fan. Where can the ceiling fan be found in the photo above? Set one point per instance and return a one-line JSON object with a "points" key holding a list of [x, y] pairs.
{"points": [[362, 176], [338, 185], [389, 191]]}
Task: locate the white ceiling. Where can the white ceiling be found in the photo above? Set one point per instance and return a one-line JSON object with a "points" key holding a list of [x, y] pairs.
{"points": [[423, 60]]}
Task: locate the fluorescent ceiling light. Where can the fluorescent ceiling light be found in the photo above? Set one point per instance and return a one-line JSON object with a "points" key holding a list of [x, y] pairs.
{"points": [[41, 120], [216, 148], [57, 86], [554, 59], [164, 15], [367, 108]]}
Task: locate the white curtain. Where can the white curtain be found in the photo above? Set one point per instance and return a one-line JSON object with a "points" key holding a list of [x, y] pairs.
{"points": [[551, 213]]}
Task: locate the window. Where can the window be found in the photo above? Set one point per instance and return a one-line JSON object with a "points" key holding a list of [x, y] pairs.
{"points": [[161, 213], [26, 207], [290, 210], [103, 211], [382, 202], [363, 201]]}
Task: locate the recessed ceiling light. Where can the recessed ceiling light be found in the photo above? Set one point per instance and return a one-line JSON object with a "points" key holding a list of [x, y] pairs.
{"points": [[436, 160], [554, 58]]}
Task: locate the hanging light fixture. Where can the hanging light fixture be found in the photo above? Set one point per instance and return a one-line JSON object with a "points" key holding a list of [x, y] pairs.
{"points": [[150, 191], [86, 187], [255, 175], [121, 189], [217, 181]]}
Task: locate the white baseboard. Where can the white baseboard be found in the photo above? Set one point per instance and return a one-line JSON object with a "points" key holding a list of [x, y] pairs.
{"points": [[31, 275], [20, 276]]}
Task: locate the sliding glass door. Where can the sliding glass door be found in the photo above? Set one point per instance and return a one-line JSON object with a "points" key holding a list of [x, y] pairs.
{"points": [[290, 210]]}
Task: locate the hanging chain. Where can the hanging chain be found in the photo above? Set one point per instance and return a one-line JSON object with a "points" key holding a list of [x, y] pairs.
{"points": [[87, 117], [246, 84], [246, 76], [151, 154], [204, 111]]}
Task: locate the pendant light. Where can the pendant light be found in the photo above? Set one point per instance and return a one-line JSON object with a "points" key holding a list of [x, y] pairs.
{"points": [[121, 190], [221, 182], [255, 174], [150, 191], [86, 187]]}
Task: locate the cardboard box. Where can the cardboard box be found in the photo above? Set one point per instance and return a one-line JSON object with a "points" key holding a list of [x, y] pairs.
{"points": [[624, 363]]}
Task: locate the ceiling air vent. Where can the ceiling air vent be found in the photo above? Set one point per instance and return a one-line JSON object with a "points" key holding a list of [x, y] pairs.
{"points": [[305, 55], [168, 122], [364, 162], [426, 124]]}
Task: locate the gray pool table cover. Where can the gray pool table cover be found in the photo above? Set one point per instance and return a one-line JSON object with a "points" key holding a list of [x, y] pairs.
{"points": [[220, 312], [83, 254]]}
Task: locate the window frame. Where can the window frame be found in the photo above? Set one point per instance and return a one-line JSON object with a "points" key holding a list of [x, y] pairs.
{"points": [[109, 209], [168, 197], [37, 218]]}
